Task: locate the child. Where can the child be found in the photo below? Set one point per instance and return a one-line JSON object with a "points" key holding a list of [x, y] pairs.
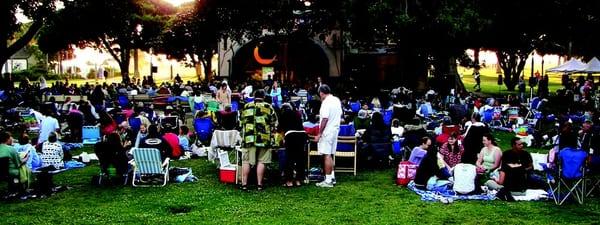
{"points": [[184, 141], [26, 149]]}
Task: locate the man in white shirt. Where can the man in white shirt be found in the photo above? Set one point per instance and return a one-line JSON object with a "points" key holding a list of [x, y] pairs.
{"points": [[49, 124], [330, 118]]}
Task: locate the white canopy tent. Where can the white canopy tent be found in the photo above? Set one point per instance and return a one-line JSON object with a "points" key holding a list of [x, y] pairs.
{"points": [[572, 65], [593, 66]]}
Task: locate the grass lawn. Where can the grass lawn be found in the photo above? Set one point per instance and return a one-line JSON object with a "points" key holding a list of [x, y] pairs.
{"points": [[489, 81], [369, 198]]}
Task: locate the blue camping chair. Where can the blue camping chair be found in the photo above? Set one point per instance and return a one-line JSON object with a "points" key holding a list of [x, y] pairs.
{"points": [[204, 128], [123, 101], [234, 106], [198, 106], [387, 116], [119, 117], [355, 106], [397, 146], [488, 116], [135, 124]]}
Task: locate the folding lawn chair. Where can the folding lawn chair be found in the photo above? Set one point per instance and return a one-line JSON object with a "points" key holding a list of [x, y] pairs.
{"points": [[355, 106], [592, 178], [90, 135], [169, 123], [12, 182], [570, 180], [234, 106], [204, 128], [222, 143], [347, 148], [387, 117], [123, 101], [135, 124], [212, 106], [149, 165]]}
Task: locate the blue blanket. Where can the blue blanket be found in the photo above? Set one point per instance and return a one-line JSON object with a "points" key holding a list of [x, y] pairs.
{"points": [[446, 195]]}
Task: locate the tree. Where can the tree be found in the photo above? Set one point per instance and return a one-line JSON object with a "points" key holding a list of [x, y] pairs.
{"points": [[116, 26], [195, 32], [36, 10], [427, 34], [516, 28]]}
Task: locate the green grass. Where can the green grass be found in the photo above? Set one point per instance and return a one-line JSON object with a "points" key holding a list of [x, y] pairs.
{"points": [[489, 82], [369, 198]]}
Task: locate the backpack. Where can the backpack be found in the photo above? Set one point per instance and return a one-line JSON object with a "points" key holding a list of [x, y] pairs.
{"points": [[464, 178], [406, 172]]}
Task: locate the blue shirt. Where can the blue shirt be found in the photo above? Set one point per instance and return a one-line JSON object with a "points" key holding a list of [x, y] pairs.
{"points": [[184, 142]]}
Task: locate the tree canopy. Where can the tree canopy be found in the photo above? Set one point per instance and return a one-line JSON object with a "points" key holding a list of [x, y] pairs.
{"points": [[115, 26], [14, 34], [424, 34]]}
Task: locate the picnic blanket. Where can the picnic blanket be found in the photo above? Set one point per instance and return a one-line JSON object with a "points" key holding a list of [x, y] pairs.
{"points": [[532, 195], [447, 195]]}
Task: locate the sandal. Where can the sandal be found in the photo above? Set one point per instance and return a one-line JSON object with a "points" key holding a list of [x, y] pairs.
{"points": [[286, 185], [260, 187], [244, 187], [298, 184]]}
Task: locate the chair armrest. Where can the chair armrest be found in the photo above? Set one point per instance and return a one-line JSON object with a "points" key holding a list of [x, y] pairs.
{"points": [[166, 162]]}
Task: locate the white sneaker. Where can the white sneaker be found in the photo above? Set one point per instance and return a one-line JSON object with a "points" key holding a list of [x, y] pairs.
{"points": [[325, 184], [333, 181]]}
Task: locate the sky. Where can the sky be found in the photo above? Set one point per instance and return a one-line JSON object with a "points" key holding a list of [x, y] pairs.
{"points": [[177, 2]]}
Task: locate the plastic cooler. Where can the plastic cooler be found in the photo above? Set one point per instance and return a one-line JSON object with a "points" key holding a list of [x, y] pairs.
{"points": [[227, 174]]}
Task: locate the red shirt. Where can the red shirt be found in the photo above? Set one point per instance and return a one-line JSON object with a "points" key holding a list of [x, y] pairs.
{"points": [[173, 141]]}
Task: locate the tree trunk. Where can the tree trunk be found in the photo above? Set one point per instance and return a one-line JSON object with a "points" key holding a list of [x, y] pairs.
{"points": [[207, 64], [512, 62], [446, 75], [198, 69], [136, 69], [476, 57], [124, 64], [6, 51]]}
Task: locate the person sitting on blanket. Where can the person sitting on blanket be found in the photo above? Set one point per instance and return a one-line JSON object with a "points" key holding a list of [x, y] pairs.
{"points": [[26, 150], [451, 151], [155, 140], [52, 152], [488, 160], [184, 139], [430, 165], [514, 171], [419, 152]]}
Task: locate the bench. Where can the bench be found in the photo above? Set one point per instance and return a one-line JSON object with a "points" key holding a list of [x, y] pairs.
{"points": [[63, 98]]}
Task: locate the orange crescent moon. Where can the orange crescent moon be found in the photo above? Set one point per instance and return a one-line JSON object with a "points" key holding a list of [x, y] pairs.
{"points": [[261, 60]]}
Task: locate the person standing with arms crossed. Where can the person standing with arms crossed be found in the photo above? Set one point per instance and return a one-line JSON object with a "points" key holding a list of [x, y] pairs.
{"points": [[258, 122], [330, 117]]}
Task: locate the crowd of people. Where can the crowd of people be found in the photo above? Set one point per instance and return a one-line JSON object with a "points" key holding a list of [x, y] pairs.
{"points": [[443, 132]]}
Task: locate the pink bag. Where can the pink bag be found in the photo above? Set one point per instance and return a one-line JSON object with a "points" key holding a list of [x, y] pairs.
{"points": [[406, 172]]}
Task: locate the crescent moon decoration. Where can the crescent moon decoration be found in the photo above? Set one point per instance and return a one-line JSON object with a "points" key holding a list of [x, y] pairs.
{"points": [[261, 60]]}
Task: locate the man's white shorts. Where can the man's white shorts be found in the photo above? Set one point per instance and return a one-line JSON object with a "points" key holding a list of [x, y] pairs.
{"points": [[327, 144]]}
